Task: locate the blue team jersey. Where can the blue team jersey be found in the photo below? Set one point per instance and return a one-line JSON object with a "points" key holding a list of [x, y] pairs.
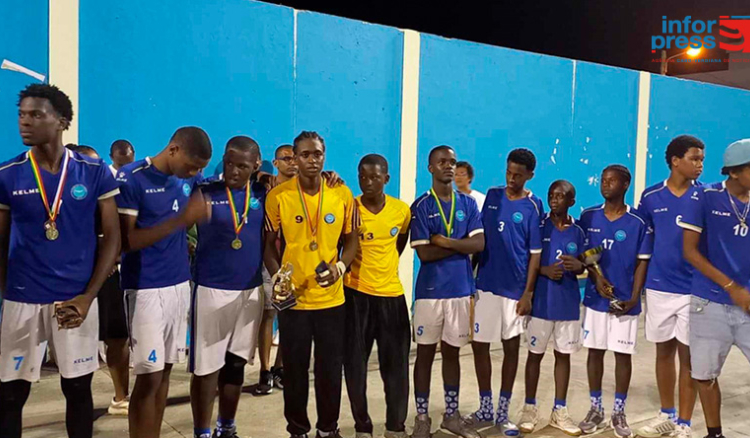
{"points": [[558, 300], [512, 234], [42, 271], [625, 241], [450, 277], [153, 197], [218, 265], [668, 271], [724, 241]]}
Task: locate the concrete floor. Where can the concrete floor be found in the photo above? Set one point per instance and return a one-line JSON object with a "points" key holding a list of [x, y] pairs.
{"points": [[262, 417]]}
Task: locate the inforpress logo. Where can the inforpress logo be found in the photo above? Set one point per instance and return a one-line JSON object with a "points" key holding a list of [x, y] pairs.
{"points": [[687, 33]]}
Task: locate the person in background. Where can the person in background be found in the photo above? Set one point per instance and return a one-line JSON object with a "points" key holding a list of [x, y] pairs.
{"points": [[121, 153], [464, 179]]}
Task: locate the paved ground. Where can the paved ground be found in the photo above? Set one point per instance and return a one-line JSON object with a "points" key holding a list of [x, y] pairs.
{"points": [[262, 417]]}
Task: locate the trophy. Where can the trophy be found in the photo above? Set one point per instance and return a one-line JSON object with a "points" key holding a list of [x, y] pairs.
{"points": [[283, 288], [591, 259]]}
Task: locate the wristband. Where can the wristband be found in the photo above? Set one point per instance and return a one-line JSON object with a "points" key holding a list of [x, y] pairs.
{"points": [[341, 267], [726, 286]]}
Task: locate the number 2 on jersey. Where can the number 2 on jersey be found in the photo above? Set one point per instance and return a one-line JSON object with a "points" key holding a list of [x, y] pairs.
{"points": [[558, 253]]}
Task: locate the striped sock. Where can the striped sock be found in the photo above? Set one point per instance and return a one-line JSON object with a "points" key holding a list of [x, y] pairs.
{"points": [[423, 402], [451, 399]]}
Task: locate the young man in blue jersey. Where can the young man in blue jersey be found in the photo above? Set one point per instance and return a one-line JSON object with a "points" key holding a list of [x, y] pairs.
{"points": [[607, 324], [556, 307], [508, 268], [446, 229], [51, 266], [715, 240], [668, 286], [156, 208], [228, 300]]}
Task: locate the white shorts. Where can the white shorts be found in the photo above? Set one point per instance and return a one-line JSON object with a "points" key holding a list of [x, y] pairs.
{"points": [[223, 321], [157, 321], [267, 291], [496, 318], [447, 319], [27, 329], [565, 335], [667, 317], [605, 331]]}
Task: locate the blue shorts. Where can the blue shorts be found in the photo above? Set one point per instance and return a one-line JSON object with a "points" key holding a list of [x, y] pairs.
{"points": [[714, 328]]}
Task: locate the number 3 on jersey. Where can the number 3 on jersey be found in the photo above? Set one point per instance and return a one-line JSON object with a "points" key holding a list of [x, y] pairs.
{"points": [[175, 206]]}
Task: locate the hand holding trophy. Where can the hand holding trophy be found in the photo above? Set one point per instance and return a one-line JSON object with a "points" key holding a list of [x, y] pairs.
{"points": [[590, 259], [283, 288]]}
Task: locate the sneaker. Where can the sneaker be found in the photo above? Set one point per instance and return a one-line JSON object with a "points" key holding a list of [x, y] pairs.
{"points": [[620, 425], [454, 424], [278, 377], [362, 435], [265, 384], [335, 434], [502, 430], [660, 426], [529, 418], [474, 421], [593, 421], [560, 419], [391, 434], [422, 426], [683, 431], [119, 407], [226, 433]]}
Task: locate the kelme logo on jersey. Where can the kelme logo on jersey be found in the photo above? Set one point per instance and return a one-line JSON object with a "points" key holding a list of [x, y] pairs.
{"points": [[394, 230], [79, 192], [518, 217], [329, 218], [621, 235], [186, 189], [254, 203], [460, 215], [572, 248]]}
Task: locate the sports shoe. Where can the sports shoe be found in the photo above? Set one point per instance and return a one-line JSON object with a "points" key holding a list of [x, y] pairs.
{"points": [[473, 421], [391, 434], [620, 425], [593, 421], [560, 419], [683, 431], [230, 432], [362, 435], [278, 377], [660, 426], [265, 384], [502, 430], [335, 434], [119, 407], [422, 425], [529, 418], [454, 424]]}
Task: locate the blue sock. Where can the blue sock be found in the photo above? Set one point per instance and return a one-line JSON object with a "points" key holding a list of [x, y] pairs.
{"points": [[530, 401], [596, 400], [671, 412], [224, 424], [202, 433], [451, 399], [503, 405], [560, 403], [620, 402], [681, 422], [486, 411], [423, 402]]}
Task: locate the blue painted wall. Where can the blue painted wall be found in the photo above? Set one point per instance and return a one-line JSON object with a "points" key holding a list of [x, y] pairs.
{"points": [[23, 40]]}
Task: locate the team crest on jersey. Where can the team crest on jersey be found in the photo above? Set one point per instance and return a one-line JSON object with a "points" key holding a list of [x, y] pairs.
{"points": [[79, 192], [254, 203], [460, 215], [572, 248], [394, 230], [518, 217], [186, 189], [621, 235], [329, 218]]}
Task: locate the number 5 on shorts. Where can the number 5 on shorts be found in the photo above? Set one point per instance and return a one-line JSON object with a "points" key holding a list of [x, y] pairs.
{"points": [[19, 360], [152, 356], [420, 330]]}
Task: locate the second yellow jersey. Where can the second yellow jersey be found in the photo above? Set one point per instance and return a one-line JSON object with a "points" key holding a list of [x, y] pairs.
{"points": [[339, 216], [375, 269]]}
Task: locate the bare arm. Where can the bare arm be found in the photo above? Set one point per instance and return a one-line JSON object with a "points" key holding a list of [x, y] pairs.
{"points": [[271, 256], [401, 242], [4, 246], [467, 245], [432, 253], [532, 272], [639, 279], [351, 244], [109, 247]]}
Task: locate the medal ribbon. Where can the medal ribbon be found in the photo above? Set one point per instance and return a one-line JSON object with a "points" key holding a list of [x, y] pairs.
{"points": [[448, 225], [313, 230], [238, 221], [742, 217], [54, 209]]}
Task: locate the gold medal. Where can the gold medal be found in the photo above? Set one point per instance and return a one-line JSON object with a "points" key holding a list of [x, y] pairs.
{"points": [[50, 231], [236, 243], [239, 221], [50, 226], [313, 246], [313, 228]]}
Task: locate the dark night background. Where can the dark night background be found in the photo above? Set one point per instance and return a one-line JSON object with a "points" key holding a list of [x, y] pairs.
{"points": [[611, 32]]}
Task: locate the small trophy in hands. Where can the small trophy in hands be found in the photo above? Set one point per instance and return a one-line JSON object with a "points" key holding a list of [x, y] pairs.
{"points": [[591, 258], [283, 288]]}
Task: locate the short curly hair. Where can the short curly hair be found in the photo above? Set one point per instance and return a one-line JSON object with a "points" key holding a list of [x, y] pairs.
{"points": [[59, 100]]}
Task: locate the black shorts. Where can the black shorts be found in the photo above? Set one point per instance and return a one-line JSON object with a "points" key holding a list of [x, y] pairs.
{"points": [[112, 322]]}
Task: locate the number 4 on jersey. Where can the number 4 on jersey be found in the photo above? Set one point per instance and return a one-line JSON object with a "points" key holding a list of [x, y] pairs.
{"points": [[152, 356], [175, 206]]}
